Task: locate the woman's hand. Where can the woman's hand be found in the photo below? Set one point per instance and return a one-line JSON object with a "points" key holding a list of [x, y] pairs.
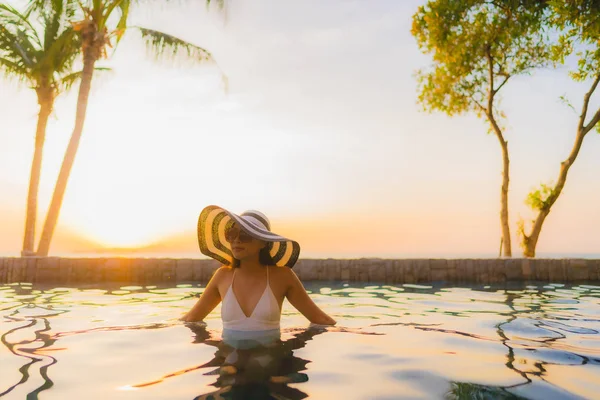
{"points": [[187, 317], [323, 320], [312, 325]]}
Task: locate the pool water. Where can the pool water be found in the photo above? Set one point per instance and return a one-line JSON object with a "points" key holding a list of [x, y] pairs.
{"points": [[537, 341]]}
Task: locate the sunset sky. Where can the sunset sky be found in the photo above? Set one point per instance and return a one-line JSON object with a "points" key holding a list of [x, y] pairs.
{"points": [[320, 130]]}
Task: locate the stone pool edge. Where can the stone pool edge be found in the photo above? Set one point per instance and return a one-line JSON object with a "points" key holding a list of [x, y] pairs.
{"points": [[148, 271]]}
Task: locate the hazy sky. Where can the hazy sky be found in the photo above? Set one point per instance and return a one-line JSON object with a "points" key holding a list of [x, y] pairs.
{"points": [[320, 129]]}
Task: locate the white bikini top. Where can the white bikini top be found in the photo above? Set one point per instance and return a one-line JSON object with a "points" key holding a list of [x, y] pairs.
{"points": [[266, 314]]}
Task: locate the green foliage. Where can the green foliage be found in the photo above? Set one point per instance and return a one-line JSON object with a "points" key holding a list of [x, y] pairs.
{"points": [[579, 24], [69, 80], [220, 3], [539, 198], [523, 238], [110, 19], [38, 47], [477, 45], [162, 44], [567, 102]]}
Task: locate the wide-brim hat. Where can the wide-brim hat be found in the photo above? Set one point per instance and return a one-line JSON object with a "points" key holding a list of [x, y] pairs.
{"points": [[214, 220]]}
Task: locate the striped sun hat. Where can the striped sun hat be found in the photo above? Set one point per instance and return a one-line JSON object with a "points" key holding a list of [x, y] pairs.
{"points": [[213, 222]]}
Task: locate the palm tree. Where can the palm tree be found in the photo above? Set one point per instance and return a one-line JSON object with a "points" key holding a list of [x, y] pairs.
{"points": [[102, 24], [43, 59]]}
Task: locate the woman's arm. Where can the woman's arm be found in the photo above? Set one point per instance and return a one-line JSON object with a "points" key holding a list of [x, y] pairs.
{"points": [[209, 299], [297, 296]]}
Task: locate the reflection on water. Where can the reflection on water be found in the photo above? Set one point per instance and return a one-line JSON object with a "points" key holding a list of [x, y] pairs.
{"points": [[258, 368], [250, 365], [461, 390], [410, 341]]}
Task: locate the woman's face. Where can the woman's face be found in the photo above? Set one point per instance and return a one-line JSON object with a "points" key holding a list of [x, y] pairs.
{"points": [[243, 246]]}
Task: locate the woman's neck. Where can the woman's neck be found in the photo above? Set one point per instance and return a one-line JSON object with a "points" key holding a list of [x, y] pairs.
{"points": [[251, 266]]}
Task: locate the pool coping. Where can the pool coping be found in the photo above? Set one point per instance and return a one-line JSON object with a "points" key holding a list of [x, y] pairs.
{"points": [[146, 271]]}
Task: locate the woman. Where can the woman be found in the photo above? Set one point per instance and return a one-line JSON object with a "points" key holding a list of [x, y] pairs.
{"points": [[255, 278]]}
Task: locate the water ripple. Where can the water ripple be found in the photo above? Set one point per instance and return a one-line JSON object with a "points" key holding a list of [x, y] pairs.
{"points": [[412, 341]]}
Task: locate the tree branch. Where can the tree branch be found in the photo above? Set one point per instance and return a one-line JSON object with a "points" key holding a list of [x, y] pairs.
{"points": [[586, 102], [491, 91], [502, 84], [592, 123], [479, 105]]}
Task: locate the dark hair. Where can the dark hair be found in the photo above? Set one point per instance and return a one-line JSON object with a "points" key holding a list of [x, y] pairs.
{"points": [[264, 257]]}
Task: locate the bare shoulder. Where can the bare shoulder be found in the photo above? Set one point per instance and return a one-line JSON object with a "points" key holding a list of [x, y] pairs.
{"points": [[280, 272], [224, 270], [223, 273], [221, 279], [284, 275]]}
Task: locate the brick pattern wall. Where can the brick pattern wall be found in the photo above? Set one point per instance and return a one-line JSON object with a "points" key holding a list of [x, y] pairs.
{"points": [[149, 271]]}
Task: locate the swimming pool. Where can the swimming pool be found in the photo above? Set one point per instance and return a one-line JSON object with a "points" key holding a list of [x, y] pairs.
{"points": [[406, 341]]}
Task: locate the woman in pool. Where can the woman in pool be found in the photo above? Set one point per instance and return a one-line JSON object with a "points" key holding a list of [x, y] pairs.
{"points": [[255, 278]]}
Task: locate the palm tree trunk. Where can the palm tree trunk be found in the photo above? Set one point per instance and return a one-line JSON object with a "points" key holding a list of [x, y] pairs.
{"points": [[34, 178], [89, 62], [530, 241]]}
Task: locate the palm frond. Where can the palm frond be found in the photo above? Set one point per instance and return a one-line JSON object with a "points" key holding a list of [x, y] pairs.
{"points": [[16, 62], [97, 5], [70, 7], [36, 6], [122, 25], [63, 51], [14, 71], [11, 16], [67, 81], [40, 62], [114, 4], [12, 48], [15, 27], [220, 3], [26, 47], [7, 40], [221, 6], [165, 45], [53, 21]]}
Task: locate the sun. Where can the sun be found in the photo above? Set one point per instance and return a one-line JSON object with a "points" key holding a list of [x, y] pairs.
{"points": [[119, 226], [124, 212]]}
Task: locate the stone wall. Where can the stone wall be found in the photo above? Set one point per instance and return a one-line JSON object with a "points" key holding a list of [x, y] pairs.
{"points": [[147, 271]]}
